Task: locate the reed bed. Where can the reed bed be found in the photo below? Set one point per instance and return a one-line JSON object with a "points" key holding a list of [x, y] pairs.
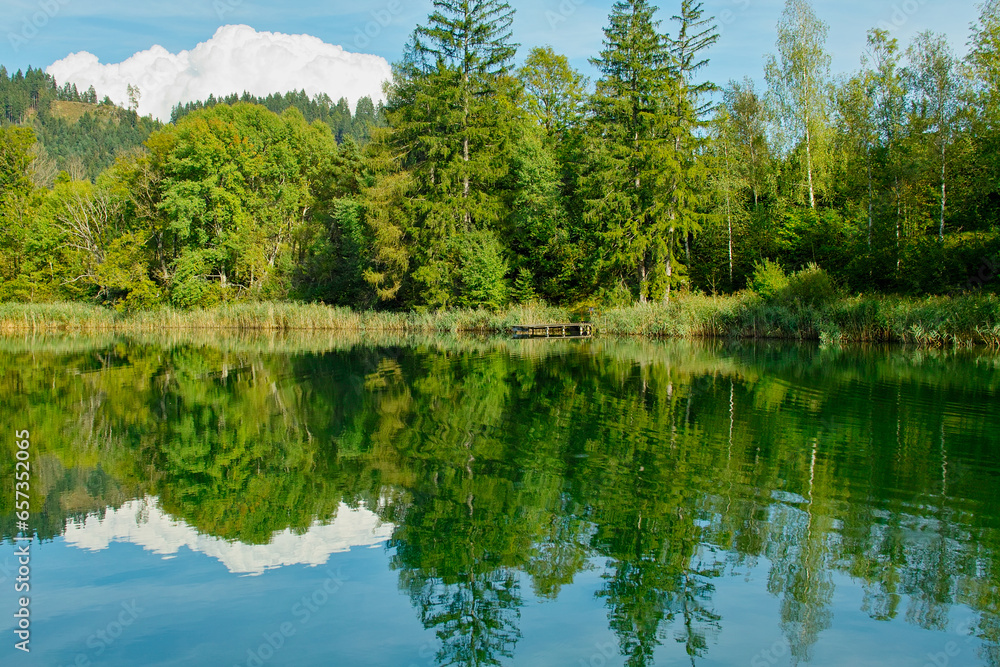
{"points": [[928, 322]]}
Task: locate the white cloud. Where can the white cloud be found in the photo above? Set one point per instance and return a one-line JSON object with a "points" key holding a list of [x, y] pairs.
{"points": [[236, 59]]}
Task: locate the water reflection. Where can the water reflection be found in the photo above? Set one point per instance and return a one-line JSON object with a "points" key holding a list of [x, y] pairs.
{"points": [[142, 522], [495, 465]]}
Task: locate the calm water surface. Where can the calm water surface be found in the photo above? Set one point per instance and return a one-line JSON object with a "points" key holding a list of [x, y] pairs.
{"points": [[318, 500]]}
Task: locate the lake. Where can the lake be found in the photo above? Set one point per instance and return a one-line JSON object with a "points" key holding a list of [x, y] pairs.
{"points": [[212, 499]]}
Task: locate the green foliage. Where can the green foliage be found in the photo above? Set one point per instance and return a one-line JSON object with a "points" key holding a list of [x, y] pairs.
{"points": [[554, 91], [798, 77], [633, 155], [15, 161], [769, 279], [482, 271], [811, 286], [542, 237], [245, 441], [451, 119], [524, 287], [337, 116], [887, 178], [124, 274], [190, 288]]}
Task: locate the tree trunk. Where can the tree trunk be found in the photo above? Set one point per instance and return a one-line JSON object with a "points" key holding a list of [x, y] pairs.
{"points": [[729, 224], [467, 217], [809, 167], [669, 265], [899, 215], [641, 274], [729, 215], [943, 195], [869, 161]]}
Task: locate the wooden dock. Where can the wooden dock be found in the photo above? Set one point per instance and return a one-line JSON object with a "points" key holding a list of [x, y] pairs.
{"points": [[575, 330]]}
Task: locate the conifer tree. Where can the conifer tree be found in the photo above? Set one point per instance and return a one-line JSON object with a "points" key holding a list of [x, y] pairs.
{"points": [[449, 109], [695, 34], [637, 173]]}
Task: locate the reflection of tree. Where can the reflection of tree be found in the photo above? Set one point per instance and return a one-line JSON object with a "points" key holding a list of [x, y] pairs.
{"points": [[499, 469], [474, 616], [801, 574], [458, 551], [657, 579]]}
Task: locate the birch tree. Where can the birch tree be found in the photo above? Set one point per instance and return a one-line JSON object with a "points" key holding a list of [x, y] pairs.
{"points": [[935, 86], [798, 78]]}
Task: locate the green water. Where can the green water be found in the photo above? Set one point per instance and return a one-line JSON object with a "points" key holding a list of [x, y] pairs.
{"points": [[499, 502]]}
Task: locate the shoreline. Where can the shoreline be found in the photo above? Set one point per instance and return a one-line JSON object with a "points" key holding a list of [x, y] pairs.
{"points": [[966, 320]]}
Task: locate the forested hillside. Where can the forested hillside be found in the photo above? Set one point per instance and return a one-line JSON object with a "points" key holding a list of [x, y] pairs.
{"points": [[485, 183], [75, 133], [81, 136], [345, 125]]}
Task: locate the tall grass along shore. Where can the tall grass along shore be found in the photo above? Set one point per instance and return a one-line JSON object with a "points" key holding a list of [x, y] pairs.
{"points": [[928, 321]]}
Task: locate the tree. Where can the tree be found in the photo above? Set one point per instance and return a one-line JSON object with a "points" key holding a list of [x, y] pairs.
{"points": [[134, 95], [387, 200], [470, 39], [798, 78], [983, 68], [888, 91], [16, 205], [632, 113], [451, 115], [234, 192], [728, 178], [855, 112], [548, 232], [935, 88], [748, 115], [694, 35], [540, 235], [554, 91], [15, 160]]}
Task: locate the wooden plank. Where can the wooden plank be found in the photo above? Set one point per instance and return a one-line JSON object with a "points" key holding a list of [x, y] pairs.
{"points": [[558, 330]]}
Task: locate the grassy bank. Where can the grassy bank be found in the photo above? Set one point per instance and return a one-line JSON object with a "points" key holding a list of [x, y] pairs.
{"points": [[265, 316], [930, 321]]}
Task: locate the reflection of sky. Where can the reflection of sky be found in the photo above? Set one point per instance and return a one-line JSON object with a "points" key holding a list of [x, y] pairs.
{"points": [[193, 611], [141, 522]]}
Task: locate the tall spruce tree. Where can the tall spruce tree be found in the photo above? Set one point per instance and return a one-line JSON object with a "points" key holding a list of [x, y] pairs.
{"points": [[448, 110], [694, 34], [642, 122], [633, 152]]}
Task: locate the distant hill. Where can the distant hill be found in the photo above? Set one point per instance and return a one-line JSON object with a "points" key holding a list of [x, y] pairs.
{"points": [[82, 136], [338, 116], [76, 134]]}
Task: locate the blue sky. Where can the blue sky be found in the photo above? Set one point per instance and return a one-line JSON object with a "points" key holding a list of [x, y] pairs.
{"points": [[115, 30]]}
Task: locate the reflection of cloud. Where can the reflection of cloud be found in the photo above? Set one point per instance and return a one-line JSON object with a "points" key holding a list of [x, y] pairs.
{"points": [[141, 522], [236, 59]]}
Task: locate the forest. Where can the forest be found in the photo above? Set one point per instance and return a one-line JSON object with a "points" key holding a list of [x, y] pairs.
{"points": [[480, 183]]}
